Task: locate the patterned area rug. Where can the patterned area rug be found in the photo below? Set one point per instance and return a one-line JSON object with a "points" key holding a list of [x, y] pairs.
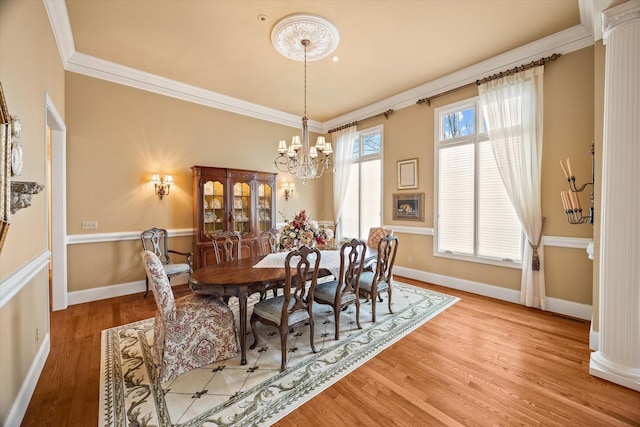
{"points": [[229, 394]]}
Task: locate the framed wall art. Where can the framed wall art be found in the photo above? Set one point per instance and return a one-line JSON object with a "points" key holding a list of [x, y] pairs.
{"points": [[409, 207], [5, 168], [407, 174]]}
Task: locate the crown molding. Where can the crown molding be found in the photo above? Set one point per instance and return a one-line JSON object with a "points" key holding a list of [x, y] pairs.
{"points": [[59, 19], [120, 74], [563, 42]]}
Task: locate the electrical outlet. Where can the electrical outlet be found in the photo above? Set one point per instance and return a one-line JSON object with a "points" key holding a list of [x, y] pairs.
{"points": [[89, 225], [36, 334], [410, 260]]}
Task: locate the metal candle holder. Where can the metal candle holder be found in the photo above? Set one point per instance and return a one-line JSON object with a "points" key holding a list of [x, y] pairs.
{"points": [[570, 200]]}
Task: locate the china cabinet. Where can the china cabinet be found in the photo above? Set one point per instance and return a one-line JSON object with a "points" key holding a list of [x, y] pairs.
{"points": [[230, 200]]}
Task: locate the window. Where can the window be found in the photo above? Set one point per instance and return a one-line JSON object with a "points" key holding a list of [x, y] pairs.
{"points": [[363, 202], [474, 217]]}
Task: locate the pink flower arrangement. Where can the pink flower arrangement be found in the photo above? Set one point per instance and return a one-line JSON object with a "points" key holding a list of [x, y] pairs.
{"points": [[303, 231]]}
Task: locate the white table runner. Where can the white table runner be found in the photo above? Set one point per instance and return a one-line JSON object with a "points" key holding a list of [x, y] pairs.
{"points": [[328, 259]]}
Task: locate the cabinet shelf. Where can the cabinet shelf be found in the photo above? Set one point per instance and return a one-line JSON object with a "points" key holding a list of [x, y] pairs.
{"points": [[238, 200]]}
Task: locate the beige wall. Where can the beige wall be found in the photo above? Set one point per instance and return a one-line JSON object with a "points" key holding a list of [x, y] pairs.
{"points": [[118, 136], [568, 132], [30, 66], [140, 133]]}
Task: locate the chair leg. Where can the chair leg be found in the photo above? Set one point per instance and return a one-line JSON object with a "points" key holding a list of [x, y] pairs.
{"points": [[389, 290], [253, 330], [283, 346], [313, 346], [374, 296], [146, 284], [358, 313], [336, 315]]}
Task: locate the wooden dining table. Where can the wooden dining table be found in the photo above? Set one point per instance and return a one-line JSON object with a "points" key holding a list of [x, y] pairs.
{"points": [[239, 278]]}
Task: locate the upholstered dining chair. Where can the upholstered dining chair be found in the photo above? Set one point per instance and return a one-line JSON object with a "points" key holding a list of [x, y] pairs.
{"points": [[380, 279], [156, 240], [294, 307], [344, 291], [375, 234], [227, 246], [189, 332]]}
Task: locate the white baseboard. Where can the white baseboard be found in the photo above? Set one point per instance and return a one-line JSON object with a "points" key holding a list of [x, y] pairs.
{"points": [[111, 291], [20, 405], [568, 308]]}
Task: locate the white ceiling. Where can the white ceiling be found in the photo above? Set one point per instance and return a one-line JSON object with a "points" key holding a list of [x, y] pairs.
{"points": [[219, 53]]}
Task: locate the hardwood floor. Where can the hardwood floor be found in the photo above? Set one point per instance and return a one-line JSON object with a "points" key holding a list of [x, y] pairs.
{"points": [[481, 362]]}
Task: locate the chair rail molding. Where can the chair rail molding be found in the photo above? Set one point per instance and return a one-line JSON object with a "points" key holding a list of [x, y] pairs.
{"points": [[81, 239], [12, 284]]}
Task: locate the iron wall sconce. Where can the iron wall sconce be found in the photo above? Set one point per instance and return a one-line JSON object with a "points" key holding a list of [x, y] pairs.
{"points": [[570, 200], [288, 190], [162, 184]]}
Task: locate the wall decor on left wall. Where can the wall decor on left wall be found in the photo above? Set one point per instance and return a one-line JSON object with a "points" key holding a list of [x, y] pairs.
{"points": [[5, 168]]}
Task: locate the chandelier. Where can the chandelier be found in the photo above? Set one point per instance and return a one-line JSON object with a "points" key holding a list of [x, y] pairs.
{"points": [[314, 36]]}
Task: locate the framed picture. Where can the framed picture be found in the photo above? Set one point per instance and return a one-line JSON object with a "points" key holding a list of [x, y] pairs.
{"points": [[407, 174], [409, 207]]}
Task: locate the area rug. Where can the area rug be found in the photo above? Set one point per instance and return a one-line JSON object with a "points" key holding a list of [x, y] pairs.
{"points": [[229, 394]]}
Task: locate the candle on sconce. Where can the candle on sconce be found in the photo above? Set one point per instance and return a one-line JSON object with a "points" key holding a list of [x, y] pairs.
{"points": [[569, 167], [568, 199], [575, 201], [566, 175], [564, 201]]}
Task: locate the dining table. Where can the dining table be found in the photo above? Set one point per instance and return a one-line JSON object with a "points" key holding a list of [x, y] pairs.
{"points": [[242, 277]]}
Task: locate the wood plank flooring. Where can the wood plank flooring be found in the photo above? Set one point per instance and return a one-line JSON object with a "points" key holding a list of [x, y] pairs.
{"points": [[481, 362]]}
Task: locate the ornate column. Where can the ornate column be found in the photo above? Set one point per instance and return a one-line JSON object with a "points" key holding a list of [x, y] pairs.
{"points": [[618, 357]]}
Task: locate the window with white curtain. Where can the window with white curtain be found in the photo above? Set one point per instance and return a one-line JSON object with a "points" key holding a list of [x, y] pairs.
{"points": [[363, 202], [475, 220]]}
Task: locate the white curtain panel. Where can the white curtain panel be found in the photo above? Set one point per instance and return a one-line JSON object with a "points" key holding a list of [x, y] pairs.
{"points": [[512, 108], [343, 158]]}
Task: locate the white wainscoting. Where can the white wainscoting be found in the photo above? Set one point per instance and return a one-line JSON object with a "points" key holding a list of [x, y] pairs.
{"points": [[569, 308]]}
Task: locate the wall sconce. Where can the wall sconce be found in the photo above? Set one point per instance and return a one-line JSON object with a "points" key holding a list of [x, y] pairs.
{"points": [[162, 184], [288, 190], [570, 200]]}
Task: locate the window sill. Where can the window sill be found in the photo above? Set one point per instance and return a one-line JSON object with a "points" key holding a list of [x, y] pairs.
{"points": [[489, 261]]}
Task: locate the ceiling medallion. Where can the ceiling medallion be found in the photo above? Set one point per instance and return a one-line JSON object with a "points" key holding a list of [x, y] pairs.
{"points": [[288, 33]]}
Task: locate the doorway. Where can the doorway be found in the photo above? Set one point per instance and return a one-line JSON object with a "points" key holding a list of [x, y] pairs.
{"points": [[57, 204]]}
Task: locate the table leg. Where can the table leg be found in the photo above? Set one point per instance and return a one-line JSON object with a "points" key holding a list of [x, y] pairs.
{"points": [[242, 302]]}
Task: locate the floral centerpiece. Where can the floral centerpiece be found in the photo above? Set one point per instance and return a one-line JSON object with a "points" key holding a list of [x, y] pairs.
{"points": [[303, 231]]}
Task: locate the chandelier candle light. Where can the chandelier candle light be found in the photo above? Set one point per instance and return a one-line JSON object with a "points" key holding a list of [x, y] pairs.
{"points": [[318, 38]]}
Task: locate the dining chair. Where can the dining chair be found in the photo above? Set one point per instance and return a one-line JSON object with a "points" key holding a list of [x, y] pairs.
{"points": [[294, 307], [156, 240], [268, 241], [380, 279], [342, 292], [375, 234], [190, 331], [227, 246]]}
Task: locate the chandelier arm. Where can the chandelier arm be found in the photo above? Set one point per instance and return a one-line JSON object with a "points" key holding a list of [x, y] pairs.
{"points": [[305, 162]]}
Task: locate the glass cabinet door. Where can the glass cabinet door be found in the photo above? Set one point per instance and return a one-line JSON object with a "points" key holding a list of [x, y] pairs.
{"points": [[242, 207], [213, 206], [265, 222]]}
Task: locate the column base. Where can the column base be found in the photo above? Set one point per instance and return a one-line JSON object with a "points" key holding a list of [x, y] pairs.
{"points": [[625, 376]]}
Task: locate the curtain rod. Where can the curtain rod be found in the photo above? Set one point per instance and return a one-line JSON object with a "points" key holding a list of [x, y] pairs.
{"points": [[386, 115], [501, 74]]}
